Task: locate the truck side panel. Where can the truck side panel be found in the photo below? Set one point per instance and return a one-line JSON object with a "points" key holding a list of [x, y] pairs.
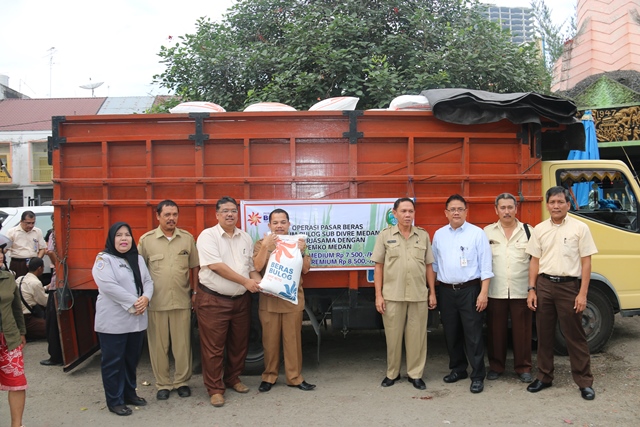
{"points": [[117, 168]]}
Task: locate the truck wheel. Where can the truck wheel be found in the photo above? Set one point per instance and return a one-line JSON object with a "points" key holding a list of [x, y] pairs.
{"points": [[597, 321], [254, 363]]}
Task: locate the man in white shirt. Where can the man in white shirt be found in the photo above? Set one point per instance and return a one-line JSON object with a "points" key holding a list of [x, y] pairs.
{"points": [[508, 239], [28, 243], [34, 296]]}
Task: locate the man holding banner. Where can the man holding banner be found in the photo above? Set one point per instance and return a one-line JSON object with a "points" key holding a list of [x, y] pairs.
{"points": [[403, 258], [280, 319]]}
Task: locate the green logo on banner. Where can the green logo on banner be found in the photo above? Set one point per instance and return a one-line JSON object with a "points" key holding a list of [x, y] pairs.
{"points": [[391, 220]]}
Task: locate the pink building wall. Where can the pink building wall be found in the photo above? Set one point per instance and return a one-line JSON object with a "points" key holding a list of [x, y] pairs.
{"points": [[608, 39]]}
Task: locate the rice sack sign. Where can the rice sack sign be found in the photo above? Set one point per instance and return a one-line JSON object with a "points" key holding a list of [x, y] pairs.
{"points": [[282, 275], [340, 233]]}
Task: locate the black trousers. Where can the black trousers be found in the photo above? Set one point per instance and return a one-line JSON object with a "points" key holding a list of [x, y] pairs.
{"points": [[120, 357], [463, 329], [52, 331]]}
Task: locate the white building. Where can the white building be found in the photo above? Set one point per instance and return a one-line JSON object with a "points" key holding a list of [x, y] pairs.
{"points": [[26, 124]]}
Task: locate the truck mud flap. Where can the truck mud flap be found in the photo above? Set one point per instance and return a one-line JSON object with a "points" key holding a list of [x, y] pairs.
{"points": [[76, 324]]}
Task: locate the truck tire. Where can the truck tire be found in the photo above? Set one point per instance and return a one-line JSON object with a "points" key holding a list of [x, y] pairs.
{"points": [[597, 320], [254, 362]]}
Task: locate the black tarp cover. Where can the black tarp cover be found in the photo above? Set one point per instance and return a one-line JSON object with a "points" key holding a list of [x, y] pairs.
{"points": [[465, 106]]}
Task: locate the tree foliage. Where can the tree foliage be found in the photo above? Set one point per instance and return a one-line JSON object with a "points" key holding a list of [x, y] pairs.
{"points": [[553, 35], [300, 51]]}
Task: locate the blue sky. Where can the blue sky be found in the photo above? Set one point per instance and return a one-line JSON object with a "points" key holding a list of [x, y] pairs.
{"points": [[50, 48]]}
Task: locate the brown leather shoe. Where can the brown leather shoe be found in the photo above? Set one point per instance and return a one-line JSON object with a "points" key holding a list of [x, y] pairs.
{"points": [[240, 388], [217, 400]]}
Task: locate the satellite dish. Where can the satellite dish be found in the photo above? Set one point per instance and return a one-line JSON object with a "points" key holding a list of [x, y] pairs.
{"points": [[91, 86]]}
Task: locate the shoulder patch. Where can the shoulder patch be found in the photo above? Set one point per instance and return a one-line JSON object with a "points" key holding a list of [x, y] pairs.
{"points": [[99, 263]]}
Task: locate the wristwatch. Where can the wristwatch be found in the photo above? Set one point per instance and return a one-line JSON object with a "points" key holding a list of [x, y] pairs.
{"points": [[531, 288]]}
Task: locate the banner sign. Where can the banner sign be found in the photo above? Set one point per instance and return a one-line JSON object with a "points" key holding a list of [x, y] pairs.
{"points": [[340, 233]]}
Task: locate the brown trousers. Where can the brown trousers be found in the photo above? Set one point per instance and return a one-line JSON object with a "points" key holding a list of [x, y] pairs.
{"points": [[223, 323], [555, 304], [288, 327], [19, 267], [498, 312]]}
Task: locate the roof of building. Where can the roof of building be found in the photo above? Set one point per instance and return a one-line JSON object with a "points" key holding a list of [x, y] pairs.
{"points": [[126, 105], [35, 114], [606, 89]]}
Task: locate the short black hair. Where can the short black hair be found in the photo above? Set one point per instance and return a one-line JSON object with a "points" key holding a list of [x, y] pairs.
{"points": [[278, 211], [455, 197], [35, 263], [225, 199], [396, 205], [164, 203], [27, 214], [558, 190]]}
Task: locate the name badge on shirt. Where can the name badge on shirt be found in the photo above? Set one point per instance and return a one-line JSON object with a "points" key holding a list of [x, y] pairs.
{"points": [[463, 262]]}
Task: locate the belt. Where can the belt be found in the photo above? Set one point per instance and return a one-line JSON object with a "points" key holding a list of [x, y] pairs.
{"points": [[458, 286], [559, 279], [212, 292], [20, 259]]}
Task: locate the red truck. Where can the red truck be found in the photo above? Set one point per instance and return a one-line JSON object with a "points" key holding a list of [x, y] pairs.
{"points": [[118, 167]]}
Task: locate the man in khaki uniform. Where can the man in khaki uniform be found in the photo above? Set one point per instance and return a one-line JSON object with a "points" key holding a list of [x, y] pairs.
{"points": [[508, 291], [403, 258], [559, 275], [172, 258], [281, 320]]}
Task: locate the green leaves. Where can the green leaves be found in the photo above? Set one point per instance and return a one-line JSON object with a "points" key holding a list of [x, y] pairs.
{"points": [[300, 51]]}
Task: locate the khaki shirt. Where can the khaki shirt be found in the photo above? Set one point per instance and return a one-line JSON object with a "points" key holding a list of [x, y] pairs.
{"points": [[560, 247], [32, 291], [25, 245], [405, 263], [215, 246], [510, 261], [273, 304], [169, 263]]}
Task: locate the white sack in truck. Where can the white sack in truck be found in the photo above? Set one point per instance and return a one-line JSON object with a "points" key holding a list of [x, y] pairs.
{"points": [[282, 274]]}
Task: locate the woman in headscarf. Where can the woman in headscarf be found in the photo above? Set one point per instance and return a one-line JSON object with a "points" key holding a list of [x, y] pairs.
{"points": [[125, 289], [12, 340]]}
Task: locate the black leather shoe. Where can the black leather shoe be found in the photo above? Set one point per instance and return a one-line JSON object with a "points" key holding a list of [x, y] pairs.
{"points": [[49, 362], [588, 393], [184, 391], [493, 375], [121, 410], [525, 377], [476, 386], [265, 386], [136, 401], [304, 386], [418, 383], [388, 382], [455, 376], [537, 385], [163, 394]]}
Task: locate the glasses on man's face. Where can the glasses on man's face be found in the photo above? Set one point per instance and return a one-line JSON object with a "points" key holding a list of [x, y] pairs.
{"points": [[228, 211], [456, 210]]}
